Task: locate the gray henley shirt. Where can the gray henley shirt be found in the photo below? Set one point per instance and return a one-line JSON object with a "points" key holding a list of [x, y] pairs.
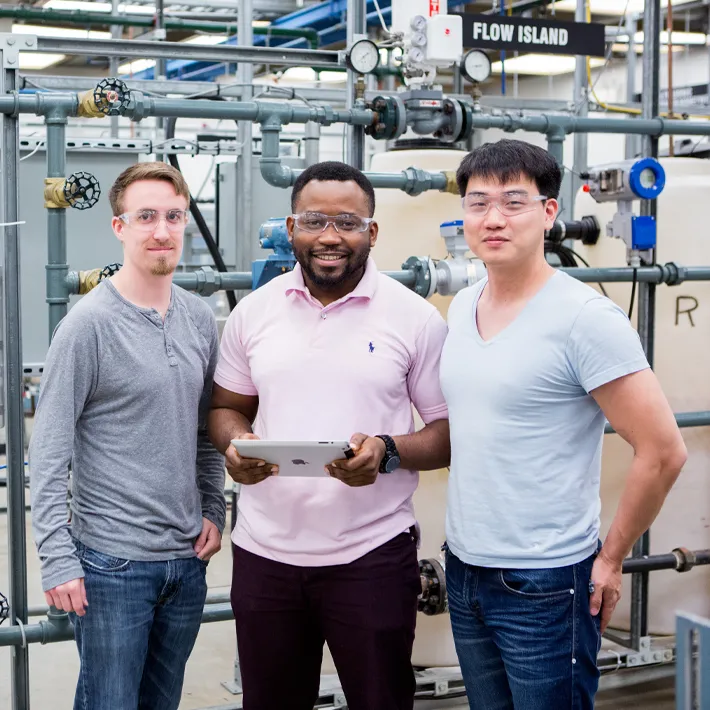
{"points": [[124, 401]]}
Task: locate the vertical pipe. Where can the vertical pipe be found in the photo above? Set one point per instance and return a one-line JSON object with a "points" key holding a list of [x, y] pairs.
{"points": [[161, 72], [581, 102], [457, 84], [647, 291], [390, 84], [669, 10], [247, 241], [14, 415], [502, 57], [356, 25], [116, 33], [632, 141], [312, 143], [57, 267]]}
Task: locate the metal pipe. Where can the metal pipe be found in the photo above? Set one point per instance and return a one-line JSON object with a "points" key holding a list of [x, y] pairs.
{"points": [[311, 143], [647, 291], [318, 58], [113, 63], [631, 143], [246, 243], [57, 267], [581, 103], [356, 24], [668, 273], [13, 376], [556, 146], [680, 560], [114, 19], [684, 420]]}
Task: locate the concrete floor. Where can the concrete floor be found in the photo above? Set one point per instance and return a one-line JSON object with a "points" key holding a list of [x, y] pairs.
{"points": [[54, 668]]}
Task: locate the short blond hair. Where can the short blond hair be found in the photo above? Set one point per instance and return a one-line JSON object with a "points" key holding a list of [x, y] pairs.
{"points": [[146, 171]]}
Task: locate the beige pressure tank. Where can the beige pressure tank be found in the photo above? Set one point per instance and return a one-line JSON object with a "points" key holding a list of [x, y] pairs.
{"points": [[682, 363], [409, 226]]}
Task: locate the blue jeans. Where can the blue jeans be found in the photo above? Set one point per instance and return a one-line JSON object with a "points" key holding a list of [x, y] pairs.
{"points": [[138, 631], [525, 639]]}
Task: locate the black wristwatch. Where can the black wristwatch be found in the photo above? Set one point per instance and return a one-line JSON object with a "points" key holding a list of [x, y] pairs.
{"points": [[391, 460]]}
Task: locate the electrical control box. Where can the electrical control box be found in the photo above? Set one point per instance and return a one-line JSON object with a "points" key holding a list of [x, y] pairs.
{"points": [[404, 11]]}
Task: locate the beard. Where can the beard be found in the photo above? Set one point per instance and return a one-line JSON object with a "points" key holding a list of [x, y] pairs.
{"points": [[162, 267], [332, 278]]}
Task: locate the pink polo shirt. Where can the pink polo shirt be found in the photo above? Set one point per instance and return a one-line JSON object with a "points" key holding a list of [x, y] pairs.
{"points": [[323, 373]]}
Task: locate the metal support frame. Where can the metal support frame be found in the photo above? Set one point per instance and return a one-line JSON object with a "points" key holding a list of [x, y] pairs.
{"points": [[356, 26], [317, 58], [693, 662], [12, 342]]}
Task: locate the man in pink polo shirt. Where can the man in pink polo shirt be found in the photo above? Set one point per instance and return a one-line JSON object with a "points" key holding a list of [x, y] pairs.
{"points": [[332, 350]]}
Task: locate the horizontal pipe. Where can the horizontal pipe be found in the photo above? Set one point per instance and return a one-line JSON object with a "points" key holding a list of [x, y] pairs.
{"points": [[685, 420], [659, 274], [316, 58], [209, 282], [653, 563], [60, 628], [103, 19]]}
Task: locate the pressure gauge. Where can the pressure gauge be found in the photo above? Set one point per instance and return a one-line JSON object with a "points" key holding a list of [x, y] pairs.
{"points": [[476, 66], [363, 57]]}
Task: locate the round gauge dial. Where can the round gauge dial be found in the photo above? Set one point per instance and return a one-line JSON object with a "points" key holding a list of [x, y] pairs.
{"points": [[363, 57], [476, 65]]}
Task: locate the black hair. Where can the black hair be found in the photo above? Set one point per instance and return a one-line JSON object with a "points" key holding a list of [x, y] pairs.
{"points": [[339, 172], [509, 160]]}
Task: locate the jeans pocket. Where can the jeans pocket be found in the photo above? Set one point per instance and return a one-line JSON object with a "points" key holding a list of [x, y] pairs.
{"points": [[101, 561], [538, 583]]}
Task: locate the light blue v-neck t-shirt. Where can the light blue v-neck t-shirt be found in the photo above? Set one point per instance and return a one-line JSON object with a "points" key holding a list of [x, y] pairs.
{"points": [[526, 435]]}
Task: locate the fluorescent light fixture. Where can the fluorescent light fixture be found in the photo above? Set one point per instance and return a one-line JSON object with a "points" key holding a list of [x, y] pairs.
{"points": [[306, 74], [98, 7], [42, 31], [36, 60], [138, 65], [679, 38], [542, 64], [612, 7], [624, 48], [205, 39]]}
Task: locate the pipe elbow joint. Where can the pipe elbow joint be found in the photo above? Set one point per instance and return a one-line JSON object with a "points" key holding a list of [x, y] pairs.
{"points": [[276, 174]]}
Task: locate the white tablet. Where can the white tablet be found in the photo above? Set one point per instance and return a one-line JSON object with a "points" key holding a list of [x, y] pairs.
{"points": [[295, 458]]}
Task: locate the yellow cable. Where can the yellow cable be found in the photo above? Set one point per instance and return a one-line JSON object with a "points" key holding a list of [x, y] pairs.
{"points": [[610, 107]]}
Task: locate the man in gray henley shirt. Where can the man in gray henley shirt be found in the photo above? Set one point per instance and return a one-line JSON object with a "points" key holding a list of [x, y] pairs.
{"points": [[123, 403]]}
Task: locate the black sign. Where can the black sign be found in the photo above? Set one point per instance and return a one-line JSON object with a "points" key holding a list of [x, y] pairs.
{"points": [[539, 36]]}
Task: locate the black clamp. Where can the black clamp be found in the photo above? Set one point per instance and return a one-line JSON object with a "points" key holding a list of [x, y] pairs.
{"points": [[4, 608]]}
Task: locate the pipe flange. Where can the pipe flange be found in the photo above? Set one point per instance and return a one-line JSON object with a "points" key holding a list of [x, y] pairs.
{"points": [[685, 559], [81, 191], [467, 121], [425, 279], [450, 131], [433, 600], [206, 281], [111, 97], [676, 274], [391, 118]]}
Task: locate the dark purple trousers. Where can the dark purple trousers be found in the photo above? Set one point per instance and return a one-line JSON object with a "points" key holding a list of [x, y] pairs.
{"points": [[365, 610]]}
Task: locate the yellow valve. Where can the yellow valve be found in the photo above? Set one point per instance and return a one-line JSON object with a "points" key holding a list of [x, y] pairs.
{"points": [[88, 107], [89, 280], [451, 184], [54, 193]]}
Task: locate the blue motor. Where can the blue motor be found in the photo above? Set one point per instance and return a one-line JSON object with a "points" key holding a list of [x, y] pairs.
{"points": [[272, 235]]}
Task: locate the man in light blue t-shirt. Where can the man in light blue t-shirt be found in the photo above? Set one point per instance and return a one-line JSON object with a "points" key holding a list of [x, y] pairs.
{"points": [[534, 363]]}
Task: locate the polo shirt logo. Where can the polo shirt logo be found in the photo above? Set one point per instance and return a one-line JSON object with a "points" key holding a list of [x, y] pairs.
{"points": [[372, 347]]}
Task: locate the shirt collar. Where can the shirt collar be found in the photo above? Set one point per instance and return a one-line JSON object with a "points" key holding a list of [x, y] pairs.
{"points": [[365, 289]]}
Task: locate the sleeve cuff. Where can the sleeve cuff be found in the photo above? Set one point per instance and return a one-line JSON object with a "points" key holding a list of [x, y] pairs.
{"points": [[68, 570], [432, 414], [614, 373], [238, 386]]}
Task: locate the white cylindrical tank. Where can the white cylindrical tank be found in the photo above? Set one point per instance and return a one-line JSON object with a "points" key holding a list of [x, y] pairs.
{"points": [[682, 344], [409, 226]]}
